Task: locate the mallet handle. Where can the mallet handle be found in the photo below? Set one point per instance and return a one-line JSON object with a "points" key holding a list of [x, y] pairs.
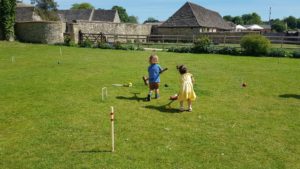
{"points": [[162, 71]]}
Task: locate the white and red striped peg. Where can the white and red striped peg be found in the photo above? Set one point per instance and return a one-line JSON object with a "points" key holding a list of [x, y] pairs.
{"points": [[112, 118]]}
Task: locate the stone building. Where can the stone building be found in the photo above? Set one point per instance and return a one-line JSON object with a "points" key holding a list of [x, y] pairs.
{"points": [[192, 19], [26, 13]]}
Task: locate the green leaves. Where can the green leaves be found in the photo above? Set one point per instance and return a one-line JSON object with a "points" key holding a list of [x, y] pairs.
{"points": [[7, 18]]}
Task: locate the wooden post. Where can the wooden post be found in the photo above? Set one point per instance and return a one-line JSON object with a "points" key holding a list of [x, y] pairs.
{"points": [[80, 37], [193, 38], [224, 40]]}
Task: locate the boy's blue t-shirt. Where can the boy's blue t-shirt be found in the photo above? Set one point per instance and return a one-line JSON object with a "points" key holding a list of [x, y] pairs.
{"points": [[154, 70]]}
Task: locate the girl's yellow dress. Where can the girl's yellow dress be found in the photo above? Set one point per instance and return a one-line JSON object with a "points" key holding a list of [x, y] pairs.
{"points": [[186, 91]]}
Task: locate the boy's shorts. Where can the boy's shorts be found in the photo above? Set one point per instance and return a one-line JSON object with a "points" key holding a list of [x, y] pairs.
{"points": [[153, 85]]}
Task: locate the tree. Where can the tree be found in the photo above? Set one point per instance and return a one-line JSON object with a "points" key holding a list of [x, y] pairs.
{"points": [[291, 22], [122, 13], [298, 23], [82, 6], [151, 20], [132, 19], [7, 18], [278, 25], [253, 18], [47, 9], [228, 18], [237, 20]]}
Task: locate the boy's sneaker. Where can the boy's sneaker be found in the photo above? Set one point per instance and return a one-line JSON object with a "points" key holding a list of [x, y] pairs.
{"points": [[181, 109], [157, 96], [148, 98], [190, 109]]}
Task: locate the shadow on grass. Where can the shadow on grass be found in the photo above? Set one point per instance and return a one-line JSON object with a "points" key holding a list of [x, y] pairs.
{"points": [[164, 108], [134, 97], [296, 96], [94, 151]]}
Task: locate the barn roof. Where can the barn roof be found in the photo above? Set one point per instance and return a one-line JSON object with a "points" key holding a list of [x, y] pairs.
{"points": [[104, 15], [24, 13], [193, 15], [76, 14], [87, 14]]}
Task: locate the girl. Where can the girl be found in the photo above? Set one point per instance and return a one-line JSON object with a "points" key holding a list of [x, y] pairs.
{"points": [[186, 92]]}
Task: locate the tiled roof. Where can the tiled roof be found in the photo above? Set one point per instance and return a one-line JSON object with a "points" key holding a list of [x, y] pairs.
{"points": [[24, 14], [87, 14], [104, 15], [78, 14], [193, 15]]}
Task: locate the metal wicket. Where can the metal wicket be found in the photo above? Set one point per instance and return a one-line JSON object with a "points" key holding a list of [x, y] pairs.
{"points": [[104, 93]]}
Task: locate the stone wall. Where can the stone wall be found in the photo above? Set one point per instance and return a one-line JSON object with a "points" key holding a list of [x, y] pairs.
{"points": [[108, 28], [114, 28], [40, 32]]}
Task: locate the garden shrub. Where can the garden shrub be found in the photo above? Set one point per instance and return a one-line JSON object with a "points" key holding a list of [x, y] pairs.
{"points": [[202, 45], [182, 50], [140, 49], [256, 45], [68, 41], [227, 50], [296, 54], [171, 49], [278, 53], [118, 45], [103, 45], [87, 44], [131, 47]]}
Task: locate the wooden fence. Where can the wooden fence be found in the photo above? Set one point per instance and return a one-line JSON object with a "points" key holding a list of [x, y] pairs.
{"points": [[217, 39]]}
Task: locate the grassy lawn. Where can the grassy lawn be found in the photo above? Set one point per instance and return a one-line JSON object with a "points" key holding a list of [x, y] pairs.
{"points": [[51, 115]]}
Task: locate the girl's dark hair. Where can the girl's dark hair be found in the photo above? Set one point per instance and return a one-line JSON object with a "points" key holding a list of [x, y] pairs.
{"points": [[182, 69]]}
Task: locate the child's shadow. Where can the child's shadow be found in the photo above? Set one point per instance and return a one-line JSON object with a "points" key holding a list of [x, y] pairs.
{"points": [[164, 108], [134, 97]]}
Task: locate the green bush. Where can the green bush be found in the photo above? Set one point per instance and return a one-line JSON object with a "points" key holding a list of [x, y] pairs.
{"points": [[278, 53], [103, 45], [202, 45], [229, 51], [296, 54], [182, 50], [256, 45], [87, 44], [140, 49], [179, 49], [171, 49], [118, 45], [68, 41], [131, 47]]}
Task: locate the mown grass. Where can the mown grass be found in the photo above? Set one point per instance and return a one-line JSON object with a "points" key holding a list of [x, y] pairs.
{"points": [[52, 116]]}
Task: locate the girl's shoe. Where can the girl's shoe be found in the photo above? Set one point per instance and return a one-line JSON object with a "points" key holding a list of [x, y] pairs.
{"points": [[181, 109], [190, 109]]}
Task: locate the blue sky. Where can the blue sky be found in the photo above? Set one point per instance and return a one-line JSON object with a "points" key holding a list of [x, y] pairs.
{"points": [[163, 9]]}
